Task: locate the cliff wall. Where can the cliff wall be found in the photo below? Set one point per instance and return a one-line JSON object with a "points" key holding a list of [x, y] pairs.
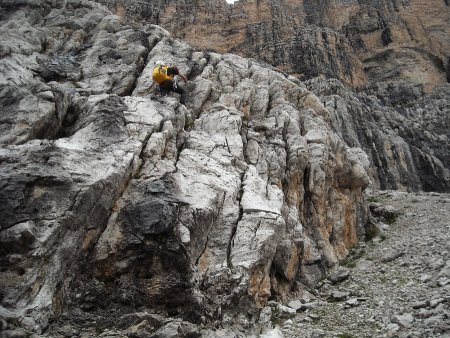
{"points": [[354, 41]]}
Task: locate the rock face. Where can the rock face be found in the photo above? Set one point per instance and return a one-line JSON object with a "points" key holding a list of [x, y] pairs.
{"points": [[399, 118], [350, 40], [404, 131], [121, 209]]}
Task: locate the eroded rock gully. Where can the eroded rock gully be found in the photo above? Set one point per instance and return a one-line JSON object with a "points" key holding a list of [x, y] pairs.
{"points": [[124, 213]]}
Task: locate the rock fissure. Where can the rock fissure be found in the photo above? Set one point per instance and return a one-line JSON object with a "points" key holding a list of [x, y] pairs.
{"points": [[254, 234], [236, 224], [213, 222]]}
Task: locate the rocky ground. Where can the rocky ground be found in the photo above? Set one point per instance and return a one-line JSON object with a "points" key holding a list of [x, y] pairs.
{"points": [[396, 285]]}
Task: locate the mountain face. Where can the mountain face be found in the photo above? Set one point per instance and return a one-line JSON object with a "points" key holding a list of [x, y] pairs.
{"points": [[395, 54], [122, 209], [353, 40]]}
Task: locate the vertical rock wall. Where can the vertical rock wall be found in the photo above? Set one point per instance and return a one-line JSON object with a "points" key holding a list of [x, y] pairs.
{"points": [[404, 131], [353, 41]]}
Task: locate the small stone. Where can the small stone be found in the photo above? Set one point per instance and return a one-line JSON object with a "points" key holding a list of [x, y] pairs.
{"points": [[384, 227], [317, 333], [309, 306], [392, 327], [391, 256], [425, 278], [340, 295], [445, 272], [295, 304], [266, 315], [340, 275], [436, 302], [419, 305], [352, 302], [404, 320], [288, 322], [314, 316], [172, 329], [286, 310], [275, 333], [424, 313], [443, 281], [435, 265], [17, 333], [434, 320], [67, 330], [306, 297]]}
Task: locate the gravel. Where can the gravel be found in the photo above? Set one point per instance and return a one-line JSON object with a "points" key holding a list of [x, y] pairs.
{"points": [[398, 282]]}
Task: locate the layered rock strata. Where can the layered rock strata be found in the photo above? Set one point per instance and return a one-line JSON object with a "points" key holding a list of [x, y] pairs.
{"points": [[120, 207]]}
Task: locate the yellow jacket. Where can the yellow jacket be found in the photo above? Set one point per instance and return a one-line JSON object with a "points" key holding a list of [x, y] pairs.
{"points": [[160, 74]]}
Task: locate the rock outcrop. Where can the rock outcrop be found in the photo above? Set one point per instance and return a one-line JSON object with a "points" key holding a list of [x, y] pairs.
{"points": [[121, 209]]}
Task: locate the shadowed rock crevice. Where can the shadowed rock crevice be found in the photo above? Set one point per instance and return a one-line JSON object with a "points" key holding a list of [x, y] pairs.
{"points": [[68, 123], [239, 219]]}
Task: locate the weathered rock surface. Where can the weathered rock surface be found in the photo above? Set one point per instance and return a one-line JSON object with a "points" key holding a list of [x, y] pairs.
{"points": [[405, 132], [400, 119], [350, 40], [124, 213], [120, 207]]}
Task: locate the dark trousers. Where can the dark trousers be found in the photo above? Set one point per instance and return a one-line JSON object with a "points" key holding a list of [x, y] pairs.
{"points": [[171, 86]]}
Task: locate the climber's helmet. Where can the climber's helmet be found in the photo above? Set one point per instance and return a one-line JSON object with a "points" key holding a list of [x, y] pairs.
{"points": [[159, 63]]}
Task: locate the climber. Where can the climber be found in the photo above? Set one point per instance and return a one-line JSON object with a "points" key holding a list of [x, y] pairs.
{"points": [[163, 76]]}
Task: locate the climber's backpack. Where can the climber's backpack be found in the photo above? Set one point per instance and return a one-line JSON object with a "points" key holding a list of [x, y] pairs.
{"points": [[160, 74]]}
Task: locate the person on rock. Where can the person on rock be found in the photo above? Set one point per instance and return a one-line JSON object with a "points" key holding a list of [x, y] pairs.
{"points": [[163, 76]]}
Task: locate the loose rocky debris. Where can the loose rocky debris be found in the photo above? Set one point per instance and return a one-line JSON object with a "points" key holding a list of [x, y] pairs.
{"points": [[398, 284], [339, 276]]}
